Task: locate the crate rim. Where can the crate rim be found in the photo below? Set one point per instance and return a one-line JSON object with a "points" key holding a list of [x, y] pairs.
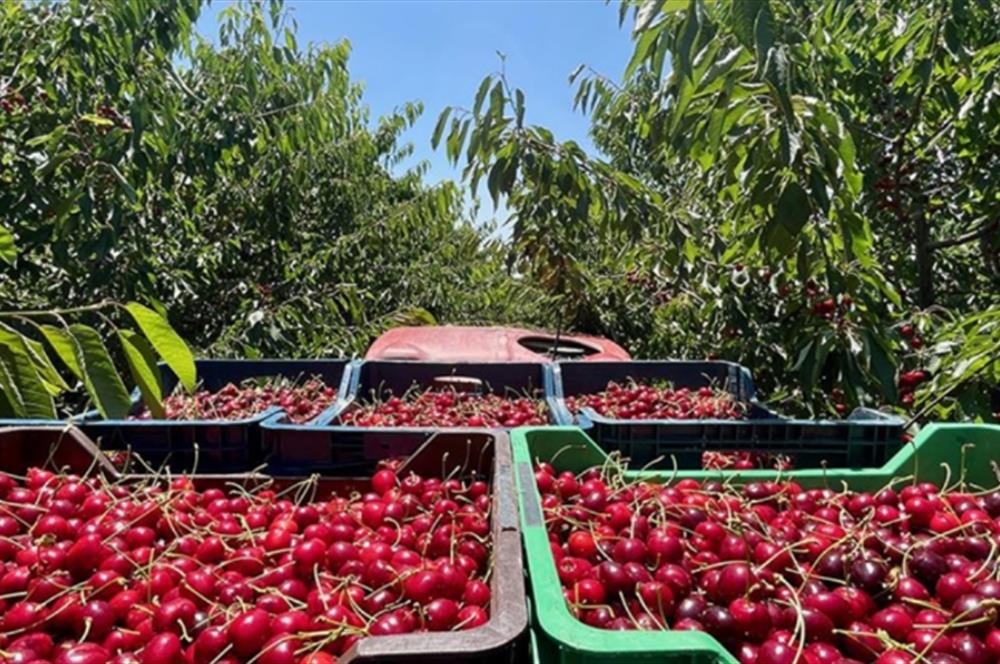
{"points": [[92, 417], [876, 418], [358, 366], [740, 369], [277, 421], [549, 609]]}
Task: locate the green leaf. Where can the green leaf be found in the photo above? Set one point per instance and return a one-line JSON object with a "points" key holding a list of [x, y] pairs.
{"points": [[6, 408], [882, 365], [823, 348], [640, 52], [484, 88], [141, 360], [646, 13], [167, 343], [11, 403], [952, 38], [65, 346], [8, 250], [743, 15], [439, 127], [763, 36], [125, 185], [45, 367], [848, 156], [790, 215], [804, 365], [26, 389], [100, 377], [792, 209], [494, 179], [692, 26], [412, 317], [97, 120]]}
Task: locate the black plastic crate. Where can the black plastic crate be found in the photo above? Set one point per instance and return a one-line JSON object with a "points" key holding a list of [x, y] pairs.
{"points": [[326, 444], [867, 437], [209, 445], [573, 378]]}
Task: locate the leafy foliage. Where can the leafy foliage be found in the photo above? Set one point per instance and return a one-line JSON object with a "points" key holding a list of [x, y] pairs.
{"points": [[240, 182], [813, 176]]}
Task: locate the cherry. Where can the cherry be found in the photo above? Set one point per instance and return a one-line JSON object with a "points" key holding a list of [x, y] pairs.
{"points": [[752, 618], [423, 586], [970, 649], [89, 653], [280, 650], [928, 566], [249, 631], [588, 592], [581, 545], [894, 621], [775, 652], [476, 592], [164, 648], [818, 625], [96, 619], [735, 580], [175, 614], [868, 574], [951, 586], [441, 614], [209, 644], [470, 617], [894, 657], [832, 605]]}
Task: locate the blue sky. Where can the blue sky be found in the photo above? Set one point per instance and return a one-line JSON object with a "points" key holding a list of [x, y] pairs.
{"points": [[437, 52]]}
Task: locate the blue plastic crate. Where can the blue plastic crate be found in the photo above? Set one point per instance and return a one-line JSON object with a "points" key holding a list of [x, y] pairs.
{"points": [[209, 445], [326, 445], [866, 438]]}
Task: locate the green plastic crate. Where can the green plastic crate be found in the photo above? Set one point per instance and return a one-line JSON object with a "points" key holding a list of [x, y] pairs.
{"points": [[558, 638]]}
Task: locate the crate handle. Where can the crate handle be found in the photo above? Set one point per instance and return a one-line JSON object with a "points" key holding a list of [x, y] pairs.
{"points": [[458, 383]]}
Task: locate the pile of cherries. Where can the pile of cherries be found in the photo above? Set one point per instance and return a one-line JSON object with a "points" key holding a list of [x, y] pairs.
{"points": [[449, 408], [745, 460], [238, 402], [163, 573], [780, 574], [648, 401]]}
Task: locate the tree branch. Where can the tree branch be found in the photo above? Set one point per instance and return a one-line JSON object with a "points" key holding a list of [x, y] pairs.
{"points": [[57, 312], [971, 236]]}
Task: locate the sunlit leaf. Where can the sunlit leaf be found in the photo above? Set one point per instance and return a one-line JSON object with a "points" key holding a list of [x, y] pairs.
{"points": [[167, 343], [22, 382], [8, 250], [101, 378], [141, 360]]}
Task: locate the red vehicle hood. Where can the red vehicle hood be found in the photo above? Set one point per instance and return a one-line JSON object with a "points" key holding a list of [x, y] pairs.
{"points": [[457, 343]]}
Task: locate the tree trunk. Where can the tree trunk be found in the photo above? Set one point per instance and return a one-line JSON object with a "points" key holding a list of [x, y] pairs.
{"points": [[925, 259]]}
